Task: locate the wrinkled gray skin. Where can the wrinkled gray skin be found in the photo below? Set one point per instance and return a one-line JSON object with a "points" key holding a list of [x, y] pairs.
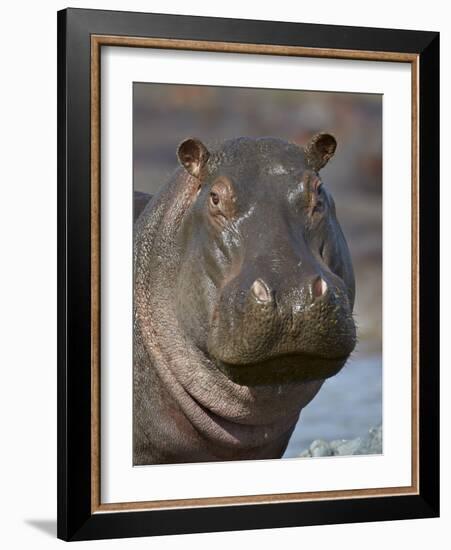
{"points": [[244, 292]]}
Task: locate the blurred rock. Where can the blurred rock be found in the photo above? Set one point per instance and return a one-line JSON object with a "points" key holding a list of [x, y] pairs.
{"points": [[369, 445], [320, 448]]}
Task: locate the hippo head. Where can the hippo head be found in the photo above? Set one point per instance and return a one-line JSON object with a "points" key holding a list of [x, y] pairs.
{"points": [[266, 286]]}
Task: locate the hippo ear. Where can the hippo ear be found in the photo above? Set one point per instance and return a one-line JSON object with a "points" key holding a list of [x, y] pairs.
{"points": [[193, 156], [319, 150]]}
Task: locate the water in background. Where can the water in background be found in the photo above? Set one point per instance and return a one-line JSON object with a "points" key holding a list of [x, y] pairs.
{"points": [[345, 407], [164, 115]]}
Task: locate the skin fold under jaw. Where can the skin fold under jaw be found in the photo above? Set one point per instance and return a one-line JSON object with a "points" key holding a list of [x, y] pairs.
{"points": [[244, 291]]}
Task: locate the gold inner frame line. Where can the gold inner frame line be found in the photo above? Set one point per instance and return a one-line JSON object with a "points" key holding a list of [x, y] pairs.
{"points": [[97, 41]]}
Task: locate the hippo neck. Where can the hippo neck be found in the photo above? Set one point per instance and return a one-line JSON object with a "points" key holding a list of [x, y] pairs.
{"points": [[217, 407]]}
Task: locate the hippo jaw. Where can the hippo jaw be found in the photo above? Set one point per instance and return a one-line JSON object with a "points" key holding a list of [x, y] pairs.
{"points": [[283, 369]]}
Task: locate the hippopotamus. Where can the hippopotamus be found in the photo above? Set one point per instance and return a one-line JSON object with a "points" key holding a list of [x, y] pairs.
{"points": [[243, 298]]}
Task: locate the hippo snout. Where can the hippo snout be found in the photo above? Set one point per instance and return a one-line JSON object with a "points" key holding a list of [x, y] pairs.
{"points": [[270, 332], [263, 293]]}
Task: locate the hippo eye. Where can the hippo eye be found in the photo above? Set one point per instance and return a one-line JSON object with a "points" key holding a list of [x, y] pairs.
{"points": [[221, 202], [214, 198]]}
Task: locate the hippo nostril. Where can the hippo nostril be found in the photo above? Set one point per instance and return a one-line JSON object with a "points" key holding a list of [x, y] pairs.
{"points": [[319, 287], [261, 291]]}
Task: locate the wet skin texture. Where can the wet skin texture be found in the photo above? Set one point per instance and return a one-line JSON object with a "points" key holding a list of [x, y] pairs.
{"points": [[243, 300]]}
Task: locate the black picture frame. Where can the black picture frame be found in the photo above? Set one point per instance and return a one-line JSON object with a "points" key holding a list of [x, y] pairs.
{"points": [[76, 520]]}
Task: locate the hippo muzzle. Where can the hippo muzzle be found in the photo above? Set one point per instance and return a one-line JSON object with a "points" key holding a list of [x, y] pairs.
{"points": [[278, 329]]}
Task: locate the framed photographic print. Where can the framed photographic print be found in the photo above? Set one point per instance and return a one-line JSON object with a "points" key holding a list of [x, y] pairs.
{"points": [[248, 274]]}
